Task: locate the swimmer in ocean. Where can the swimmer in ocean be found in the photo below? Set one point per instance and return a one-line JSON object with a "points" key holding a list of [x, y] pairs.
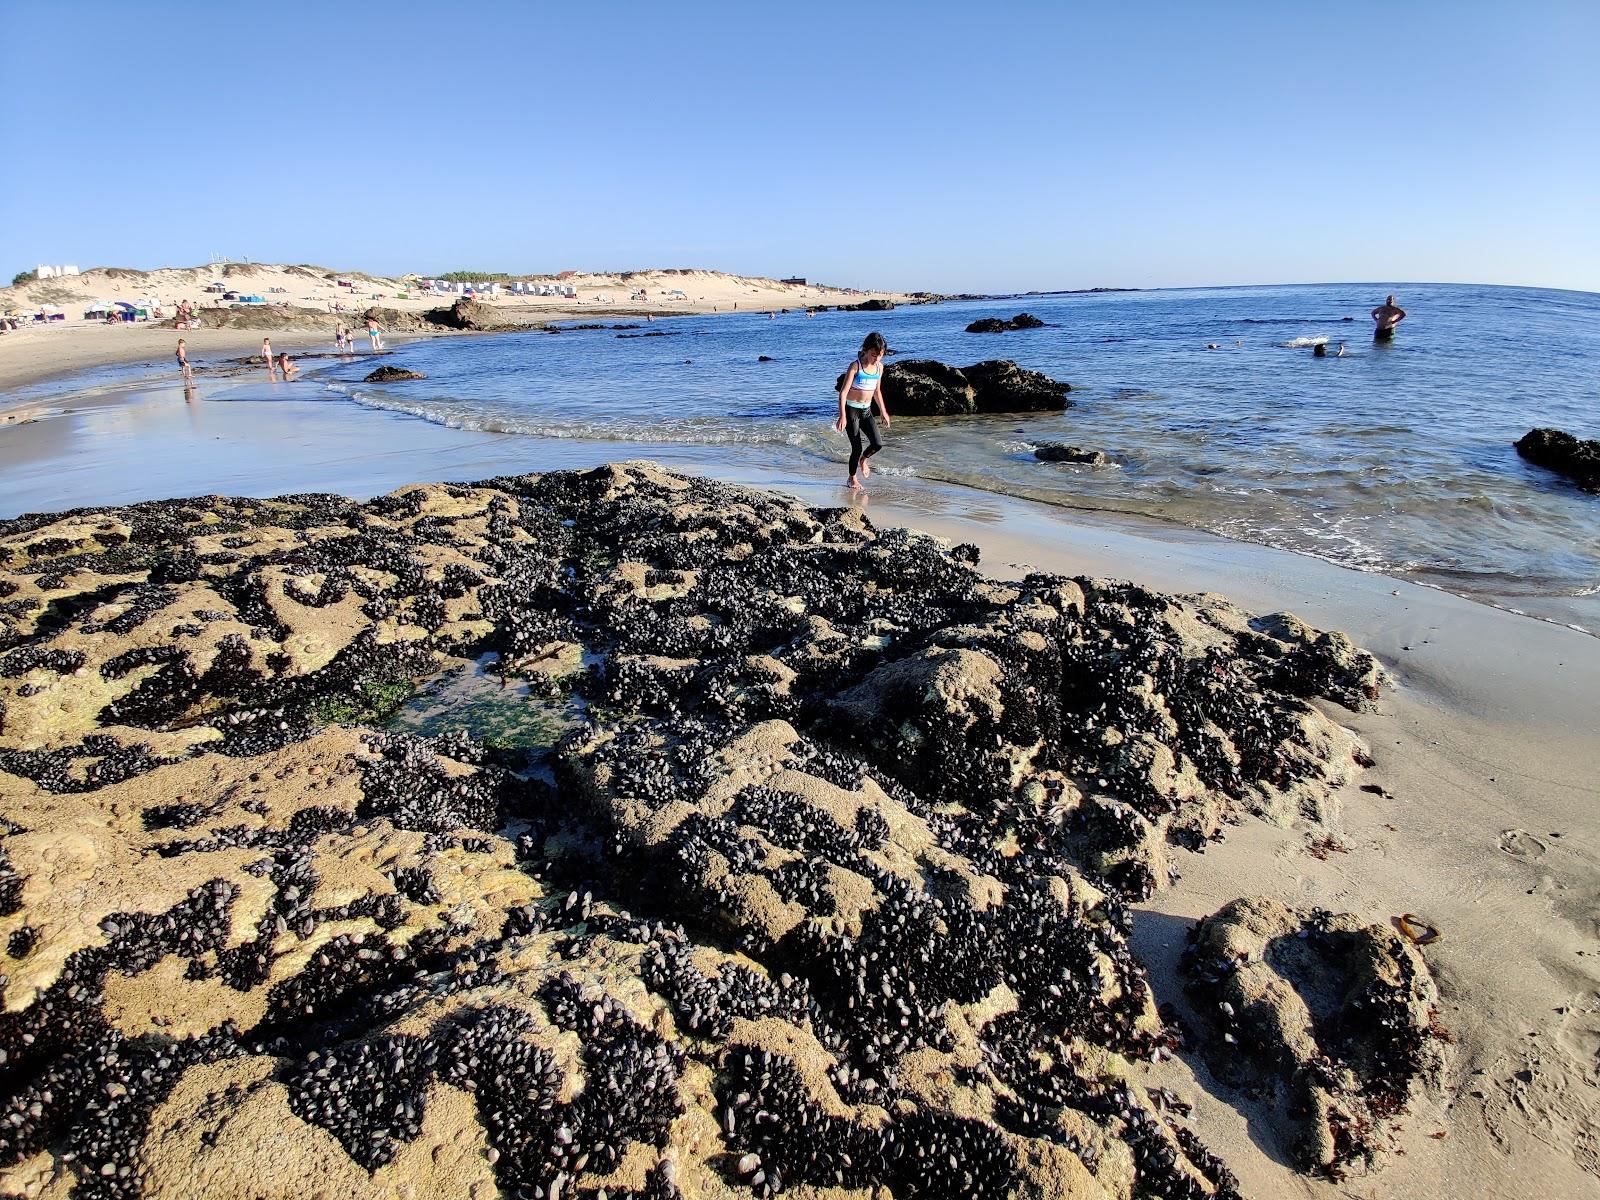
{"points": [[1387, 315]]}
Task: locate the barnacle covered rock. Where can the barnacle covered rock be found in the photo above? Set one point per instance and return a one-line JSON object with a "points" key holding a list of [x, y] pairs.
{"points": [[764, 851], [1334, 1017]]}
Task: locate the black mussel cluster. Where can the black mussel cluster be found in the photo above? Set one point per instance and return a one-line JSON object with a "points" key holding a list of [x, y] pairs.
{"points": [[767, 1107], [1369, 1008]]}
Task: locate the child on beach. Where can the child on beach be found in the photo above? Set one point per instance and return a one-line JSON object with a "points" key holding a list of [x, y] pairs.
{"points": [[183, 361], [861, 387], [288, 368], [266, 352]]}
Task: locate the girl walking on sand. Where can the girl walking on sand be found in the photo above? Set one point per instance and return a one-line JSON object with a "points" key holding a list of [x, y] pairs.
{"points": [[860, 388]]}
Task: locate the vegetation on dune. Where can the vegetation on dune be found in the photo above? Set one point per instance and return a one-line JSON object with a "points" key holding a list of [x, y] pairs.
{"points": [[22, 277], [473, 276]]}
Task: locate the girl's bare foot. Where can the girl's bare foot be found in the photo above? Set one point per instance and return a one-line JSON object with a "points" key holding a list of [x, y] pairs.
{"points": [[853, 484], [866, 469]]}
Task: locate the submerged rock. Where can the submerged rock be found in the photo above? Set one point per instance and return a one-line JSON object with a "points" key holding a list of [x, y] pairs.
{"points": [[1578, 460], [809, 870], [392, 375], [996, 325], [1061, 452], [1333, 1017], [923, 387]]}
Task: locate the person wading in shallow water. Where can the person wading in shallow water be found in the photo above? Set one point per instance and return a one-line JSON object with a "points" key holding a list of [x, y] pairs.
{"points": [[862, 388], [1387, 315]]}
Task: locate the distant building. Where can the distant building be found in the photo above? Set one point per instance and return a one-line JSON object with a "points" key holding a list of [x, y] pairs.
{"points": [[43, 271], [797, 280]]}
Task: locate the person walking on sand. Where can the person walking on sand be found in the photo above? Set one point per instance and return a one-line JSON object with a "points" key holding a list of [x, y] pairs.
{"points": [[859, 389], [183, 362], [1387, 315], [374, 333]]}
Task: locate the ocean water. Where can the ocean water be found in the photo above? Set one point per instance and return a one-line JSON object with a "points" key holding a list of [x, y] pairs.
{"points": [[1393, 458]]}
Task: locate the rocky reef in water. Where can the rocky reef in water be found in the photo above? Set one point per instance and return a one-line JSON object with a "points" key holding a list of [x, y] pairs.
{"points": [[392, 375], [810, 877], [1564, 454], [997, 325], [1061, 452], [924, 387]]}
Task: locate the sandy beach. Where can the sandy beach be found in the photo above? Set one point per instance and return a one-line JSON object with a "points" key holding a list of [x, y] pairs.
{"points": [[300, 313], [1476, 816]]}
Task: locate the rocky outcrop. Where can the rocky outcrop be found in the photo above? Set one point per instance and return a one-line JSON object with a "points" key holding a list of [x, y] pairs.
{"points": [[1333, 1018], [471, 316], [392, 375], [1578, 460], [262, 316], [1061, 452], [997, 325], [923, 387], [775, 852], [873, 305]]}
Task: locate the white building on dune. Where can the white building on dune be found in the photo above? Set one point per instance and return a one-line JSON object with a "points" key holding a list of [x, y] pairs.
{"points": [[42, 271]]}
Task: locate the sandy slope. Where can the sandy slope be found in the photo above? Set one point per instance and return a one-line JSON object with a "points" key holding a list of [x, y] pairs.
{"points": [[39, 351]]}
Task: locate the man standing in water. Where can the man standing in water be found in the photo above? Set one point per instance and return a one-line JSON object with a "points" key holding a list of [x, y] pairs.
{"points": [[1387, 315]]}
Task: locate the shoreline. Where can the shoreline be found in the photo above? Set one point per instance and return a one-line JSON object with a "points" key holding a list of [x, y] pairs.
{"points": [[41, 463], [1478, 813]]}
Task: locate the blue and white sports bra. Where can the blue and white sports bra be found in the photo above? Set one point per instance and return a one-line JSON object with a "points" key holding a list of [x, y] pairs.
{"points": [[864, 381]]}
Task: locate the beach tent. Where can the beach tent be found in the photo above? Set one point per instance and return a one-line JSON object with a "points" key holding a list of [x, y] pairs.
{"points": [[97, 311]]}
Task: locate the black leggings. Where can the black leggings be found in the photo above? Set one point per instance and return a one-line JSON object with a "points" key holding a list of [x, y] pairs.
{"points": [[859, 422]]}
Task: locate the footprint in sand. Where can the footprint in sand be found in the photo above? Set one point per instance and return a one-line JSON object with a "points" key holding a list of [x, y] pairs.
{"points": [[1519, 843]]}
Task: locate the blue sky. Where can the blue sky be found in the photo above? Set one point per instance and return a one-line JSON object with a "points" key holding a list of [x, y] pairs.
{"points": [[957, 146]]}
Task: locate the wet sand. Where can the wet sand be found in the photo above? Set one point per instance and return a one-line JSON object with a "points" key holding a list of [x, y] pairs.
{"points": [[1488, 754]]}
